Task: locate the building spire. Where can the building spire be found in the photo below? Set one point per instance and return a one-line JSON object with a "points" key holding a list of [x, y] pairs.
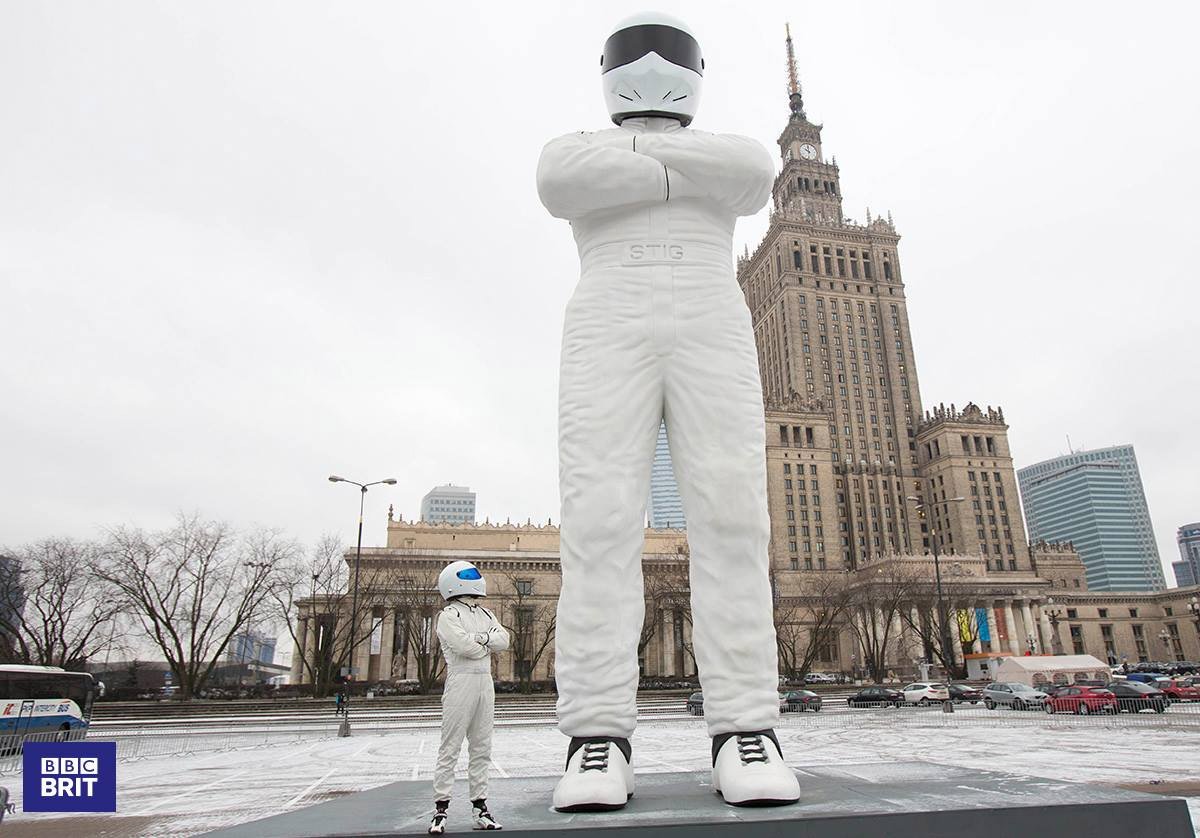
{"points": [[795, 95]]}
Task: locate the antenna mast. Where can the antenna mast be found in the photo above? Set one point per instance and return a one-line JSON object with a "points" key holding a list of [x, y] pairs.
{"points": [[795, 96]]}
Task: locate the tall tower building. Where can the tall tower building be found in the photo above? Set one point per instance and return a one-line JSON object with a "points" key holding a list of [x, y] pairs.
{"points": [[971, 486], [1094, 499], [451, 504], [1187, 569], [665, 509], [826, 296]]}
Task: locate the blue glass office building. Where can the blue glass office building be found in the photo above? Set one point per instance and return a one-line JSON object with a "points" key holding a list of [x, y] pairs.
{"points": [[1094, 499], [665, 509], [1187, 569]]}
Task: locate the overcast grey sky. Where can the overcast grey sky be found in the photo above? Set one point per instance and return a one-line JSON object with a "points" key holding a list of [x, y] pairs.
{"points": [[243, 246]]}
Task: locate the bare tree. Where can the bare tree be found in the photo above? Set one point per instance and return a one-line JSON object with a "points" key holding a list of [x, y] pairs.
{"points": [[924, 620], [412, 590], [531, 623], [667, 591], [194, 587], [875, 603], [807, 625], [54, 610], [310, 604]]}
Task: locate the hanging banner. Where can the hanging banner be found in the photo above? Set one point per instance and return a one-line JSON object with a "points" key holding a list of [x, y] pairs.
{"points": [[981, 620], [1001, 624], [964, 626], [377, 636]]}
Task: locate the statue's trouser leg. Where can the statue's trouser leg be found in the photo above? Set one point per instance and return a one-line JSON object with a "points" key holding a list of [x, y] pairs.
{"points": [[638, 342], [715, 429]]}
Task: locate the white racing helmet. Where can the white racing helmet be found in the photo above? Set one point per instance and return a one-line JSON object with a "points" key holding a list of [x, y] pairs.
{"points": [[651, 66], [461, 579]]}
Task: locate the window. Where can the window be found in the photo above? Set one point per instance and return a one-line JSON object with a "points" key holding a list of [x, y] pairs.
{"points": [[1077, 639], [524, 587]]}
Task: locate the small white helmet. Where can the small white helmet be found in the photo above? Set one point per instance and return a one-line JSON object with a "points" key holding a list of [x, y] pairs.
{"points": [[651, 66], [461, 579]]}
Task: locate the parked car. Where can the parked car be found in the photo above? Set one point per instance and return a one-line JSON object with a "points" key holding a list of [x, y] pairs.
{"points": [[1179, 689], [925, 693], [965, 692], [1133, 697], [876, 697], [1081, 699], [695, 704], [820, 678], [797, 701], [1011, 694], [1144, 677]]}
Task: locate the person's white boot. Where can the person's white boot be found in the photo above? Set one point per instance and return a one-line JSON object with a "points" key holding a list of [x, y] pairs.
{"points": [[599, 776], [748, 770], [482, 818]]}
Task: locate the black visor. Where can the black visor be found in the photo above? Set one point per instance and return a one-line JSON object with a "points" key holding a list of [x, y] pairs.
{"points": [[630, 44]]}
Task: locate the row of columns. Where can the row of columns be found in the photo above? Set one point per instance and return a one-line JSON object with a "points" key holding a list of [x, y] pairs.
{"points": [[305, 651], [1033, 623]]}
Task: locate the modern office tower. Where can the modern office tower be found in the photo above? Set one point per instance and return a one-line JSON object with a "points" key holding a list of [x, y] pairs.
{"points": [[1094, 499], [1187, 569], [451, 504], [665, 509]]}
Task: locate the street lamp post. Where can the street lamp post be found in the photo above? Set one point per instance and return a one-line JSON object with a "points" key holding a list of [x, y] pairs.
{"points": [[943, 618], [1165, 637], [344, 728], [1053, 614], [1194, 610]]}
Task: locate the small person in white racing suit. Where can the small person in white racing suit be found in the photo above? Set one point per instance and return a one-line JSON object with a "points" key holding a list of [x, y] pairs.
{"points": [[470, 634], [657, 328]]}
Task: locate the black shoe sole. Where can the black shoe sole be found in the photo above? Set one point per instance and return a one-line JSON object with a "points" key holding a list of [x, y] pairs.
{"points": [[759, 803]]}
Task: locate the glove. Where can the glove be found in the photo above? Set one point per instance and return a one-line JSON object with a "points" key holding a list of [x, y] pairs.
{"points": [[481, 638]]}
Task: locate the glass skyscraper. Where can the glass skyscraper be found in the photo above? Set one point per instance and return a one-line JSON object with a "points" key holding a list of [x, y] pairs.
{"points": [[665, 509], [1187, 569], [1094, 499]]}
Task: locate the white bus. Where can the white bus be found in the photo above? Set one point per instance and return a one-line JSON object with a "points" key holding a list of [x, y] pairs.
{"points": [[45, 699]]}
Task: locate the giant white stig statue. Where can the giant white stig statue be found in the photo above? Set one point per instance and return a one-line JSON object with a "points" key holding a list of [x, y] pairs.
{"points": [[658, 328]]}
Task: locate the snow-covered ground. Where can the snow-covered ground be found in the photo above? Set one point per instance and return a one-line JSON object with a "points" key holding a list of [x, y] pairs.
{"points": [[184, 796]]}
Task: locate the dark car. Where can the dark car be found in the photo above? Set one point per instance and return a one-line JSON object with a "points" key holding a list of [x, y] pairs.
{"points": [[965, 692], [1134, 697], [876, 697], [797, 701], [1145, 677], [695, 704]]}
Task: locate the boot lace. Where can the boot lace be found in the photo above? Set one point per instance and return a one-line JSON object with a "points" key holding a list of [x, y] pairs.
{"points": [[750, 748], [595, 757]]}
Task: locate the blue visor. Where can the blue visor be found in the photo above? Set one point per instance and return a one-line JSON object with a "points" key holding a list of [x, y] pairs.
{"points": [[468, 573]]}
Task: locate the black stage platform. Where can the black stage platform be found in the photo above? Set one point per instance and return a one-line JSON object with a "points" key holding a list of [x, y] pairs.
{"points": [[896, 800]]}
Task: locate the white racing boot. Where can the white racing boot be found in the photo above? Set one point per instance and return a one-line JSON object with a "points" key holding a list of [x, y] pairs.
{"points": [[598, 778], [437, 826], [481, 817], [748, 770]]}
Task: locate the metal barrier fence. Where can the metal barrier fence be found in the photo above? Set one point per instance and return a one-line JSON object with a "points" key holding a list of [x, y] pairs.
{"points": [[140, 741], [163, 743]]}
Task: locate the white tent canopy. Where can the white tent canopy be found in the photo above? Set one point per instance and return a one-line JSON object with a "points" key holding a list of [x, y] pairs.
{"points": [[1044, 670]]}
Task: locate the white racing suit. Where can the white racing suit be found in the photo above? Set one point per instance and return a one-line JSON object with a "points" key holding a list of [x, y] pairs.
{"points": [[469, 634], [658, 328]]}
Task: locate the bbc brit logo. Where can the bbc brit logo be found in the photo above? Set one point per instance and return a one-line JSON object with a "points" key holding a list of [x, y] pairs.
{"points": [[70, 777]]}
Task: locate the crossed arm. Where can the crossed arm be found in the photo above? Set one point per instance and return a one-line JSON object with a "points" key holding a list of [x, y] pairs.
{"points": [[578, 173], [474, 645]]}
